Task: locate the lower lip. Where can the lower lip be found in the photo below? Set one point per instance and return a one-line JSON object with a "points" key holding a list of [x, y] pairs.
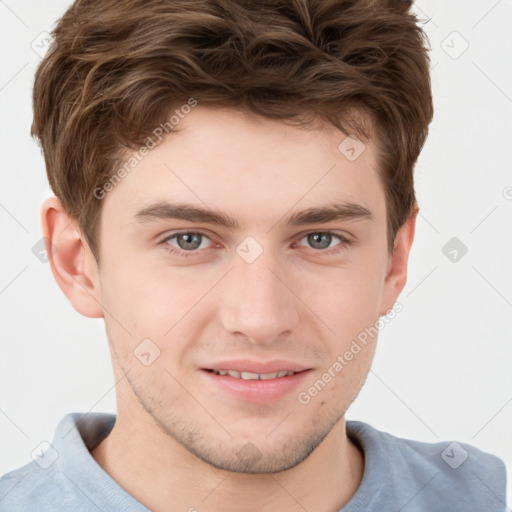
{"points": [[256, 390]]}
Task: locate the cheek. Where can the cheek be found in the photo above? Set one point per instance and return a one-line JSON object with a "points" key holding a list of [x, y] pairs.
{"points": [[349, 306], [158, 303], [148, 296], [346, 299]]}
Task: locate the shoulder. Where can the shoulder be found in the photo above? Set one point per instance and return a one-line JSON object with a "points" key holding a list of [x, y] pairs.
{"points": [[62, 475], [450, 475], [32, 487]]}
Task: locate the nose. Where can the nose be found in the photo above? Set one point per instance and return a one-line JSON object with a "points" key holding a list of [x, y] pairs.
{"points": [[258, 302]]}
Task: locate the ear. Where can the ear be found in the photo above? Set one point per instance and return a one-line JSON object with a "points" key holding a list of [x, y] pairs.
{"points": [[72, 262], [397, 267]]}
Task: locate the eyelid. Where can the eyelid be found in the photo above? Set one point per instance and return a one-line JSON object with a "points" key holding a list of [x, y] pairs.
{"points": [[344, 241], [187, 231], [332, 232]]}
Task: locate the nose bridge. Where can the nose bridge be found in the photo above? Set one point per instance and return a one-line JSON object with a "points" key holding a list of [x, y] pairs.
{"points": [[257, 304]]}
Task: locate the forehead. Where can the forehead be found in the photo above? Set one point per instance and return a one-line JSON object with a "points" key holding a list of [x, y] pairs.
{"points": [[250, 167]]}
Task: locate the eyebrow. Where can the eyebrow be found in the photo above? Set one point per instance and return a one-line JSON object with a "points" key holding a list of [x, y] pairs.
{"points": [[344, 211]]}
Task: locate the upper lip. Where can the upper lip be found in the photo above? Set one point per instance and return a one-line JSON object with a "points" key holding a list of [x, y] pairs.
{"points": [[247, 365]]}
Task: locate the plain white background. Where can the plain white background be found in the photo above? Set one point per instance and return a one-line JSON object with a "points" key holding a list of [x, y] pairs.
{"points": [[443, 367]]}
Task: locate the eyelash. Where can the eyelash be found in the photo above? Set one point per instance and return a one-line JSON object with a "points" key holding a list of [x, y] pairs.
{"points": [[186, 254]]}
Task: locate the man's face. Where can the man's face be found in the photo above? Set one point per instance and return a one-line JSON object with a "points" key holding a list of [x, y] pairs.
{"points": [[262, 295]]}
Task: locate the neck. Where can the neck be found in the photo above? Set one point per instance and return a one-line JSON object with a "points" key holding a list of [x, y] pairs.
{"points": [[157, 471]]}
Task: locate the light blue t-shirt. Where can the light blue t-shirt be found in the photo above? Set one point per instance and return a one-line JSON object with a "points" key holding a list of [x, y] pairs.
{"points": [[399, 475]]}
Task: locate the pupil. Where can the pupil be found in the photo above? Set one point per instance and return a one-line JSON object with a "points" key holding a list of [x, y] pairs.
{"points": [[189, 241], [320, 240]]}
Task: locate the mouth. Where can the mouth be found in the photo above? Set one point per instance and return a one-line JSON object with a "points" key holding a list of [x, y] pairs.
{"points": [[253, 381], [253, 376]]}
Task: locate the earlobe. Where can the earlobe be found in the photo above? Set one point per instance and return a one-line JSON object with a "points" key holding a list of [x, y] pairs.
{"points": [[396, 276], [72, 262]]}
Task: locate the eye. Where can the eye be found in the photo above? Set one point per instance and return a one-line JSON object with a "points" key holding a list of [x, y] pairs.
{"points": [[322, 240], [189, 243], [186, 242]]}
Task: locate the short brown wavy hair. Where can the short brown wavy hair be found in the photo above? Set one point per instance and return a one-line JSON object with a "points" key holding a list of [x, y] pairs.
{"points": [[118, 67]]}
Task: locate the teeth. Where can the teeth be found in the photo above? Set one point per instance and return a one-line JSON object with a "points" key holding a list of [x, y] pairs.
{"points": [[253, 376], [249, 376]]}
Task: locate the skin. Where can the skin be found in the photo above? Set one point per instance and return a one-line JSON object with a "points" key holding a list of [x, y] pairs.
{"points": [[175, 442]]}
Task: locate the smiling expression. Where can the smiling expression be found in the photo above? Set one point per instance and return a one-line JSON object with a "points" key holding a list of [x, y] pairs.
{"points": [[237, 261]]}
